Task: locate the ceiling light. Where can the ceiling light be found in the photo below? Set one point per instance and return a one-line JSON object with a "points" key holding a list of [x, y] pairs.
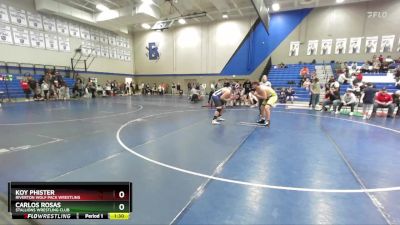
{"points": [[339, 1], [147, 2], [146, 26], [182, 21], [276, 7], [225, 16], [102, 7]]}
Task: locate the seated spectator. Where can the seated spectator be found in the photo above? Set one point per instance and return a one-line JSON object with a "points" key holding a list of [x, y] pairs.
{"points": [[396, 73], [63, 91], [304, 71], [195, 95], [307, 84], [397, 83], [365, 67], [281, 65], [368, 97], [389, 59], [383, 100], [396, 102], [376, 66], [282, 95], [342, 79], [332, 97], [290, 94], [359, 76], [328, 84], [349, 99]]}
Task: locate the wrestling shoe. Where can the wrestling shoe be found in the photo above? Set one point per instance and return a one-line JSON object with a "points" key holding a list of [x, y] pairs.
{"points": [[261, 121], [220, 119], [215, 122]]}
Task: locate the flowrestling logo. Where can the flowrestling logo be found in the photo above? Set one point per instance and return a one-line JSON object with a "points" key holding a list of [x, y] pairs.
{"points": [[377, 14]]}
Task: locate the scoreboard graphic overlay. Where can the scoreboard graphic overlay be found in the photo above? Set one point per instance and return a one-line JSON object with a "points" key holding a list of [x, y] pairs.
{"points": [[70, 200]]}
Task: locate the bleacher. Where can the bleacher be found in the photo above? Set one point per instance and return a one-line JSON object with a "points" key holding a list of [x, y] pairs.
{"points": [[280, 77], [15, 90]]}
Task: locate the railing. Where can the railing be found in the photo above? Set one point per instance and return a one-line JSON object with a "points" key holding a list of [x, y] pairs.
{"points": [[33, 69]]}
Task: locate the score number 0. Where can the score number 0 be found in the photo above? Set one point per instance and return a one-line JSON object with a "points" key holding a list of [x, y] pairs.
{"points": [[121, 206]]}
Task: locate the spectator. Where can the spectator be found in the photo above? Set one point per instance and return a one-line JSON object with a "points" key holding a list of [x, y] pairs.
{"points": [[189, 86], [304, 72], [132, 87], [365, 67], [397, 83], [306, 84], [173, 88], [45, 89], [315, 92], [178, 89], [282, 95], [290, 94], [142, 88], [368, 100], [32, 86], [349, 99], [376, 65], [396, 102], [25, 87], [195, 95], [38, 91], [332, 97], [383, 100], [265, 82], [359, 76], [342, 79]]}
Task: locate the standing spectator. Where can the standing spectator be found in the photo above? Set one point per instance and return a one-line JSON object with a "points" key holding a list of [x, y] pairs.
{"points": [[25, 87], [45, 89], [178, 88], [315, 92], [189, 86], [396, 102], [142, 88], [265, 82], [127, 88], [368, 99], [132, 87], [247, 88], [332, 97], [173, 88], [32, 86], [349, 99], [38, 91], [383, 100]]}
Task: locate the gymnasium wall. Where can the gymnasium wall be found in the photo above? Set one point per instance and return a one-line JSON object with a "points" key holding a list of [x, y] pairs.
{"points": [[198, 48], [12, 53], [343, 21]]}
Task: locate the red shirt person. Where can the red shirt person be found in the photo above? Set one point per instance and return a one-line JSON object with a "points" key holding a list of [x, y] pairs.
{"points": [[304, 71], [383, 100]]}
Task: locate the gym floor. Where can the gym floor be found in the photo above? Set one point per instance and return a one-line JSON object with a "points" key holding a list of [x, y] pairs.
{"points": [[307, 168]]}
